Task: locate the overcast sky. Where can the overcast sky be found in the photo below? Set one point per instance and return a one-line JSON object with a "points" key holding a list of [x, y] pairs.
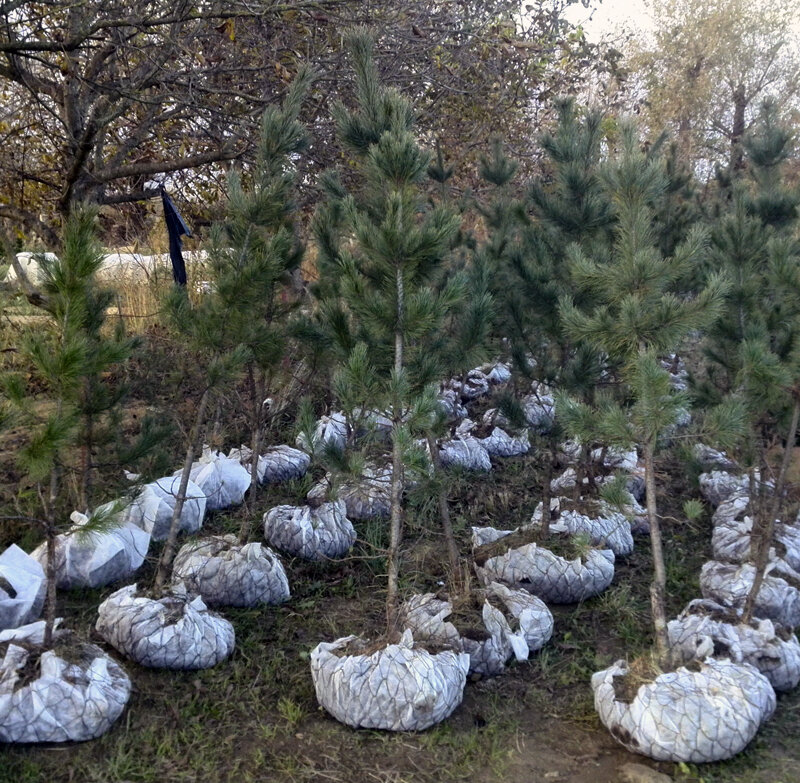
{"points": [[605, 17]]}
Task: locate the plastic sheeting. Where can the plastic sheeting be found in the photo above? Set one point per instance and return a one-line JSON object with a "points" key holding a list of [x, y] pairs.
{"points": [[554, 579], [605, 527], [222, 480], [96, 559], [311, 533], [467, 453], [687, 716], [68, 701], [397, 688], [226, 573], [22, 588], [156, 503], [701, 630], [729, 585], [173, 632]]}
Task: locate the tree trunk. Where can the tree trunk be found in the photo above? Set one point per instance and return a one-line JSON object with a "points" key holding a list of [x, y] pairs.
{"points": [[50, 567], [396, 517], [738, 127], [447, 524], [546, 493], [86, 451], [765, 518], [257, 393], [658, 588], [168, 553]]}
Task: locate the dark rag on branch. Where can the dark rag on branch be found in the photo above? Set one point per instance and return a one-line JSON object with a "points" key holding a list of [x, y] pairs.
{"points": [[175, 228]]}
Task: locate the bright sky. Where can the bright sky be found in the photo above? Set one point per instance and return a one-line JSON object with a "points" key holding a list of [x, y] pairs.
{"points": [[605, 17]]}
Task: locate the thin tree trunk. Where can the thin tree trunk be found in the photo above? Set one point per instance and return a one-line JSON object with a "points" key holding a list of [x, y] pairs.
{"points": [[86, 457], [580, 470], [658, 588], [447, 524], [168, 553], [50, 567], [396, 518], [256, 391], [546, 493], [766, 524]]}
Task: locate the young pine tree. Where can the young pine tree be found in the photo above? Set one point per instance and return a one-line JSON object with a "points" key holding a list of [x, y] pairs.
{"points": [[68, 356], [634, 317], [383, 302]]}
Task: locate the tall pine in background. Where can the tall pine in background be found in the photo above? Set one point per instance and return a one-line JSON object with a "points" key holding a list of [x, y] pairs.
{"points": [[753, 351]]}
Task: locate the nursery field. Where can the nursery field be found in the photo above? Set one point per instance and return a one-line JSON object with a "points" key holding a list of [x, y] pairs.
{"points": [[255, 717]]}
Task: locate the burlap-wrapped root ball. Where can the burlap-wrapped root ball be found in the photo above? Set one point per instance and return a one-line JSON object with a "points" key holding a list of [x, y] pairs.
{"points": [[500, 634], [778, 599], [22, 588], [156, 504], [706, 713], [223, 481], [76, 693], [97, 558], [173, 632], [718, 485], [370, 496], [226, 573], [311, 533], [399, 687], [501, 444], [705, 628], [603, 525], [535, 568], [466, 452]]}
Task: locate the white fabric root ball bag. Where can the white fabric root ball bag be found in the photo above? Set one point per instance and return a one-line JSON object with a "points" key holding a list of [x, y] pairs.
{"points": [[369, 497], [311, 533], [492, 645], [222, 480], [277, 464], [604, 526], [501, 444], [687, 716], [226, 573], [22, 588], [156, 504], [330, 431], [706, 628], [398, 688], [172, 632], [76, 694], [96, 559], [729, 584], [552, 578], [718, 485], [467, 453]]}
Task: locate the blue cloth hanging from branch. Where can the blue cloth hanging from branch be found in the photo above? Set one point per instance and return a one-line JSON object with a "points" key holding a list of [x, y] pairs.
{"points": [[176, 226]]}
